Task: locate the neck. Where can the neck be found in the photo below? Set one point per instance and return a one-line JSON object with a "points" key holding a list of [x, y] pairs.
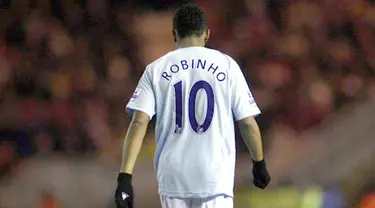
{"points": [[190, 42]]}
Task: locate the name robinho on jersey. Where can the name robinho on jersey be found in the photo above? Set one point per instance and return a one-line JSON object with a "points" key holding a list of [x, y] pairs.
{"points": [[194, 64]]}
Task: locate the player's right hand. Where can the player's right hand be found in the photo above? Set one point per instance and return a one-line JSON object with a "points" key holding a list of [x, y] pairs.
{"points": [[261, 175], [124, 193]]}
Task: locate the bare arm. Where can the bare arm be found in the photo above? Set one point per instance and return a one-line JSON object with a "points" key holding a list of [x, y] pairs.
{"points": [[251, 135], [133, 141]]}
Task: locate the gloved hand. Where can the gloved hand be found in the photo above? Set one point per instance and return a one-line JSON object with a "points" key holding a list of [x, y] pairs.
{"points": [[124, 195], [261, 175]]}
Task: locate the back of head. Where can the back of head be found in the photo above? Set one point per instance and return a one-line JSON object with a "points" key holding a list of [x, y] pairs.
{"points": [[189, 21]]}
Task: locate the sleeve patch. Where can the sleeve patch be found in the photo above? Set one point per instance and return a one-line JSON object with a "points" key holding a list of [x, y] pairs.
{"points": [[136, 94], [251, 98]]}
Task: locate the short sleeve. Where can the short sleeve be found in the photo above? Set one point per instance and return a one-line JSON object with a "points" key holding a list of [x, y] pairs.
{"points": [[143, 98], [243, 102]]}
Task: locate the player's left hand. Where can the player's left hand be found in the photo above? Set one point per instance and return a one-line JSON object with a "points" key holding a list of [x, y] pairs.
{"points": [[124, 193], [261, 176]]}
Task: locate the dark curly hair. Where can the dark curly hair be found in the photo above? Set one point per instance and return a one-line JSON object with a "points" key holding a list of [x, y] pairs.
{"points": [[189, 20]]}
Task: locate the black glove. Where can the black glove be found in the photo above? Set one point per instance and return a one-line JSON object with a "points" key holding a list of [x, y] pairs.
{"points": [[260, 173], [124, 193]]}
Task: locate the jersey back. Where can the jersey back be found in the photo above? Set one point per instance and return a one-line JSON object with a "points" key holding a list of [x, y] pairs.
{"points": [[196, 93]]}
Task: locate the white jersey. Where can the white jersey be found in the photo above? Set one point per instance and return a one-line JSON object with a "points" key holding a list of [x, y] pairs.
{"points": [[196, 94]]}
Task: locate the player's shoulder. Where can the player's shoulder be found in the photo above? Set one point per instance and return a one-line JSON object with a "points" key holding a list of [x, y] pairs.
{"points": [[228, 57], [223, 55], [182, 51], [213, 53], [217, 52], [157, 62]]}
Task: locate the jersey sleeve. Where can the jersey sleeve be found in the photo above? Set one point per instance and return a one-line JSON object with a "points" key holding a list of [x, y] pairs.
{"points": [[243, 102], [143, 98]]}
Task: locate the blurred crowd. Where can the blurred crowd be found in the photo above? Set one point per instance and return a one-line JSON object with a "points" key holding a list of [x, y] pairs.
{"points": [[67, 68], [66, 72], [304, 59]]}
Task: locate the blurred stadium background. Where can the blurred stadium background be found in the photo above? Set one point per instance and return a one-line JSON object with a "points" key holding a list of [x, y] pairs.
{"points": [[68, 67]]}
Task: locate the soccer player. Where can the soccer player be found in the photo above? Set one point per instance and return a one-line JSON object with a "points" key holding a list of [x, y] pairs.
{"points": [[197, 94]]}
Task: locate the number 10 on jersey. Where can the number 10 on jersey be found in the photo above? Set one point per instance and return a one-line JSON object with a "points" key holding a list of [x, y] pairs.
{"points": [[199, 128]]}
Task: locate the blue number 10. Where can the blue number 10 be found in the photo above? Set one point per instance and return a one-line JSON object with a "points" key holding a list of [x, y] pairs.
{"points": [[191, 106]]}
